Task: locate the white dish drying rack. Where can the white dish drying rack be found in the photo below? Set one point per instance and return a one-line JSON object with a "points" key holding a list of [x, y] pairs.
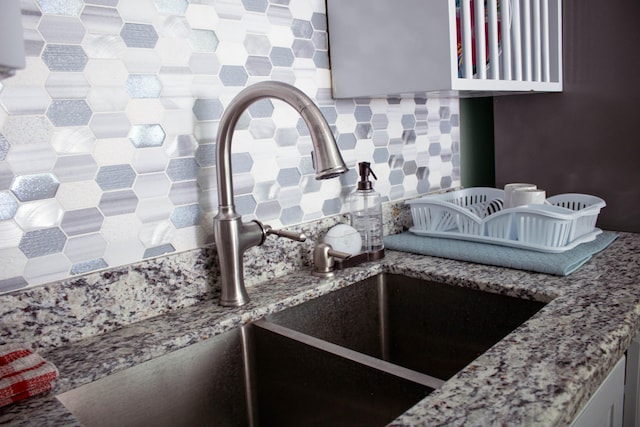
{"points": [[477, 214]]}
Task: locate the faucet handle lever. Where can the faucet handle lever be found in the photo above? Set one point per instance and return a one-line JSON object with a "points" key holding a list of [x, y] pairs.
{"points": [[293, 235]]}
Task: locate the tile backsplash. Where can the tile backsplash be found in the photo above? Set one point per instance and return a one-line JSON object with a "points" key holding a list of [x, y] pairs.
{"points": [[107, 137]]}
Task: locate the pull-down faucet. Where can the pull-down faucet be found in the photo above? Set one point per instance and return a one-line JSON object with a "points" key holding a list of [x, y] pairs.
{"points": [[232, 236]]}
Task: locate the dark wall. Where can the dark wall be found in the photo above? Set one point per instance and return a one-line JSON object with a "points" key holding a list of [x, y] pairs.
{"points": [[476, 143], [587, 138]]}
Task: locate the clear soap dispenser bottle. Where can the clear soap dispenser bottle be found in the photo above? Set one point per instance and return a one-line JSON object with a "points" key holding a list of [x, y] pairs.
{"points": [[366, 213]]}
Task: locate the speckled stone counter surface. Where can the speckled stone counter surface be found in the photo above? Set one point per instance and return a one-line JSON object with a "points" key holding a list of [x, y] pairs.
{"points": [[541, 374]]}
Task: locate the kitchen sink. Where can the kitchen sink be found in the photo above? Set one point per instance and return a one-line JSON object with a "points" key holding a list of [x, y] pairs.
{"points": [[249, 376], [430, 327], [359, 356]]}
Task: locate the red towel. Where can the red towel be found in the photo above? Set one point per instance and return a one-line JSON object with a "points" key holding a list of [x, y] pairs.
{"points": [[23, 374]]}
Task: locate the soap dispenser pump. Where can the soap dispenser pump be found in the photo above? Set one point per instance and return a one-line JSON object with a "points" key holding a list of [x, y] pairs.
{"points": [[366, 213]]}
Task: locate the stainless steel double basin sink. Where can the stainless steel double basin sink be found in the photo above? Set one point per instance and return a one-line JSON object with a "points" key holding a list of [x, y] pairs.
{"points": [[359, 356]]}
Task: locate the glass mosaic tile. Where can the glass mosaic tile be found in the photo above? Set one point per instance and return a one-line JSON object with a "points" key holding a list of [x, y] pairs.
{"points": [[142, 61], [118, 202], [115, 177], [257, 44], [204, 63], [305, 166], [64, 57], [152, 185], [279, 15], [78, 195], [82, 221], [62, 85], [29, 100], [241, 162], [34, 187], [184, 193], [229, 9], [61, 7], [110, 131], [302, 28], [203, 40], [346, 141], [320, 40], [31, 158], [245, 204], [291, 215], [233, 75], [186, 216], [110, 125], [75, 168], [143, 86], [172, 7], [303, 49], [182, 169], [108, 73], [319, 21], [331, 206], [281, 56], [85, 247], [147, 135], [150, 160], [286, 137], [42, 242], [69, 112], [158, 250], [289, 177], [105, 46], [47, 269], [12, 284], [4, 147], [139, 35], [112, 3], [8, 205], [156, 234], [201, 15], [363, 131], [321, 59], [153, 209], [142, 11], [11, 236], [258, 66], [208, 109], [268, 210], [255, 5], [39, 214], [61, 29], [262, 128], [181, 146], [88, 266]]}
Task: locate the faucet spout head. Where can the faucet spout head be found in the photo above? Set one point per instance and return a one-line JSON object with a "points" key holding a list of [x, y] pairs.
{"points": [[327, 159]]}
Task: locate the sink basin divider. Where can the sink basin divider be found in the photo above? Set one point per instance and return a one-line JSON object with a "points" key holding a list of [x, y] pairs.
{"points": [[381, 365], [247, 363]]}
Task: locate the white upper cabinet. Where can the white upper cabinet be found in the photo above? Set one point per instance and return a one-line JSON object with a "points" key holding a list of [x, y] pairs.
{"points": [[474, 48]]}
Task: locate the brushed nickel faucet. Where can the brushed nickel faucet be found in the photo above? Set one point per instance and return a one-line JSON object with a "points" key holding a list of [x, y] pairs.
{"points": [[233, 236]]}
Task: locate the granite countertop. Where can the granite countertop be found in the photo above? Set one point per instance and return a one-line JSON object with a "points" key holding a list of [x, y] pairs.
{"points": [[541, 374]]}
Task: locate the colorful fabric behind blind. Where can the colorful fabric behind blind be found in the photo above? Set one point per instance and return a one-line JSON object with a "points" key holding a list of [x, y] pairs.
{"points": [[473, 36]]}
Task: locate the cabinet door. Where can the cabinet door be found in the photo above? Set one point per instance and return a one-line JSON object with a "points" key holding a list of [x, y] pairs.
{"points": [[604, 409]]}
